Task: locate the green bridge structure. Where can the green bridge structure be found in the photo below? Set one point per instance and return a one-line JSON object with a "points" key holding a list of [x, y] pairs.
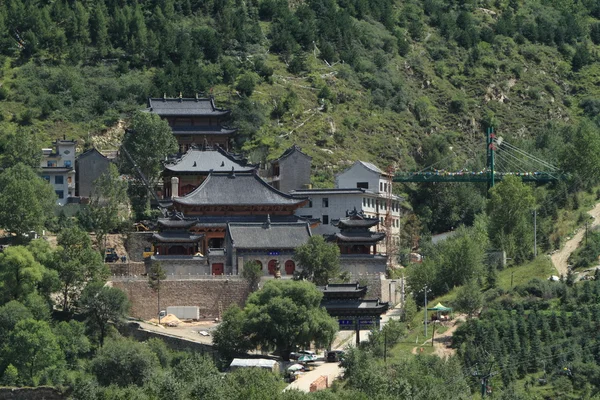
{"points": [[513, 162]]}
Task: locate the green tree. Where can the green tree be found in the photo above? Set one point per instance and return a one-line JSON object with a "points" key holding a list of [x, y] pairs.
{"points": [[581, 157], [72, 341], [252, 273], [77, 263], [469, 298], [230, 338], [246, 83], [319, 260], [20, 273], [10, 314], [510, 220], [156, 275], [22, 147], [124, 362], [148, 142], [108, 205], [101, 305], [286, 314], [33, 349], [26, 200]]}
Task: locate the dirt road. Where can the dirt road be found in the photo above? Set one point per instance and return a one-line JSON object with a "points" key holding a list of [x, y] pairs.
{"points": [[561, 257], [442, 340]]}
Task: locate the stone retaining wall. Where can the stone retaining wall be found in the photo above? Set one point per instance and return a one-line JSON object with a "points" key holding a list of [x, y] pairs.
{"points": [[211, 296]]}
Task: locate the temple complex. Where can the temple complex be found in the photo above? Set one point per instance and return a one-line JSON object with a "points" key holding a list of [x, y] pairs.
{"points": [[240, 203], [194, 120]]}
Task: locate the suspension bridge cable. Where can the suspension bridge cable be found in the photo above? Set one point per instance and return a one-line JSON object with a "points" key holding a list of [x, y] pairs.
{"points": [[528, 155], [512, 164], [524, 153]]}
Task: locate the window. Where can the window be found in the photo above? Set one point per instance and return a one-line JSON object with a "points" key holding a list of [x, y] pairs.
{"points": [[59, 179], [51, 163], [364, 201], [68, 163], [385, 187], [381, 186], [362, 185], [69, 180], [309, 203], [370, 202], [325, 219], [325, 202], [60, 194], [46, 177]]}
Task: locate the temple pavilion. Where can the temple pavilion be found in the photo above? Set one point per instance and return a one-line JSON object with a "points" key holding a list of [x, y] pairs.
{"points": [[355, 236], [345, 302], [194, 120]]}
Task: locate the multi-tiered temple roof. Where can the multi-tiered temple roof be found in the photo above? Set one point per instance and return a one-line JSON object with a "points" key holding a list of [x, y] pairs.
{"points": [[354, 230]]}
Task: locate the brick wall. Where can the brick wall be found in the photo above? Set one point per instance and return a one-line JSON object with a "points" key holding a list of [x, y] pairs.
{"points": [[205, 294]]}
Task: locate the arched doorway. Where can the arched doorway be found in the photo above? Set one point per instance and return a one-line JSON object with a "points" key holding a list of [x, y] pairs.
{"points": [[259, 263], [272, 267], [290, 267]]}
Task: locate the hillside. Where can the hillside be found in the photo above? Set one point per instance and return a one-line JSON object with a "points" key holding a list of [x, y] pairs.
{"points": [[393, 82]]}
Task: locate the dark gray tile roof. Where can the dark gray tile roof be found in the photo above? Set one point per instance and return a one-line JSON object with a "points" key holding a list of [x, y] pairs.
{"points": [[202, 130], [356, 223], [371, 167], [223, 220], [274, 235], [291, 151], [358, 306], [308, 192], [238, 189], [357, 237], [343, 288], [50, 170], [217, 160], [176, 237], [185, 107]]}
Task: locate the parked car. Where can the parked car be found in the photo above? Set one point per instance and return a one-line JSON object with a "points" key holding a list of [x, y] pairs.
{"points": [[304, 355], [334, 356]]}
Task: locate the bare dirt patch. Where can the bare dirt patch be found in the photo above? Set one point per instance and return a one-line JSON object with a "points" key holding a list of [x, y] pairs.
{"points": [[561, 257]]}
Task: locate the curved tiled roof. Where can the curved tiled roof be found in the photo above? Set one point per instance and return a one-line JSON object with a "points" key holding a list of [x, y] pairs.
{"points": [[185, 107], [270, 235], [238, 189], [218, 160], [358, 237], [176, 237]]}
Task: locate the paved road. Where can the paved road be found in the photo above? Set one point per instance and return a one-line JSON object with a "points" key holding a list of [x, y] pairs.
{"points": [[331, 370]]}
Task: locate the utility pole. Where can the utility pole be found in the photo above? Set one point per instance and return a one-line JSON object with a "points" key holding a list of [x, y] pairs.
{"points": [[484, 379], [425, 311], [385, 346], [535, 233]]}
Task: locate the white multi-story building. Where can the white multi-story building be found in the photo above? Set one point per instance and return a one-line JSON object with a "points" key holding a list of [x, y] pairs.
{"points": [[362, 187], [58, 168]]}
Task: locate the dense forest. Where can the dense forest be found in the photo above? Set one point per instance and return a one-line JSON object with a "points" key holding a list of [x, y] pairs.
{"points": [[412, 83]]}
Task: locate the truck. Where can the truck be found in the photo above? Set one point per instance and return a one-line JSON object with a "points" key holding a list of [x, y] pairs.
{"points": [[184, 312]]}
